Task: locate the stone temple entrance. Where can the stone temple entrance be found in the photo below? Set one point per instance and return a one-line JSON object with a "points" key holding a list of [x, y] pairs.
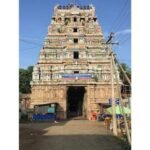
{"points": [[75, 100]]}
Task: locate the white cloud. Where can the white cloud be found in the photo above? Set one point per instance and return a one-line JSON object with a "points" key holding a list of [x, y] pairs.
{"points": [[125, 31]]}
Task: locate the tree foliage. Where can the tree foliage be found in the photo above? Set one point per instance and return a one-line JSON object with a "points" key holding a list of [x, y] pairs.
{"points": [[25, 76], [128, 73], [126, 88]]}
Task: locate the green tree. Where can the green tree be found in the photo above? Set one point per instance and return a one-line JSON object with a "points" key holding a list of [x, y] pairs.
{"points": [[25, 76], [127, 71], [126, 88]]}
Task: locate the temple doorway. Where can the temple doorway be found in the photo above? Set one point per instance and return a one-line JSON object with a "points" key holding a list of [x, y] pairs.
{"points": [[75, 100]]}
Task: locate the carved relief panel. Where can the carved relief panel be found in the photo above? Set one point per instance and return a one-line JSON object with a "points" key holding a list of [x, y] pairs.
{"points": [[97, 93], [91, 93]]}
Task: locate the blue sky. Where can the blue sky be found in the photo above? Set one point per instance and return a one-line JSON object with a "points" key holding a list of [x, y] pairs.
{"points": [[35, 16]]}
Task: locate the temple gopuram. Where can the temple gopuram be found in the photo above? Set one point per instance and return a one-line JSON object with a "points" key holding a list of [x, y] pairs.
{"points": [[74, 66]]}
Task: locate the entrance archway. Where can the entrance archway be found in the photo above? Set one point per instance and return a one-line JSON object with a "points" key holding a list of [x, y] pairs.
{"points": [[75, 100]]}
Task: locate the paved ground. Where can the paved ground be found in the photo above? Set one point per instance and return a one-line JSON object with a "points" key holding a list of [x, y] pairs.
{"points": [[69, 135]]}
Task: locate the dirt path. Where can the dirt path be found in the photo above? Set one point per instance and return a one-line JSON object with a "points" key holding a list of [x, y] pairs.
{"points": [[69, 135]]}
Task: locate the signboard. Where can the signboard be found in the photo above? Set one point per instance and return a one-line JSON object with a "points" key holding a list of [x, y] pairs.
{"points": [[77, 76], [51, 110], [117, 101]]}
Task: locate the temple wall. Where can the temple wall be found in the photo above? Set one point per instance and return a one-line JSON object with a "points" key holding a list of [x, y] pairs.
{"points": [[50, 94], [97, 95], [93, 97]]}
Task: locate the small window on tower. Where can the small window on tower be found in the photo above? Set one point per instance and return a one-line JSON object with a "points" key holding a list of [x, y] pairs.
{"points": [[75, 30], [75, 41], [75, 19], [53, 18], [76, 55], [76, 72], [95, 19]]}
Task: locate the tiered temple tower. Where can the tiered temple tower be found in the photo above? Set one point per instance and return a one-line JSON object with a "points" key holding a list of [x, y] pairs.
{"points": [[74, 67]]}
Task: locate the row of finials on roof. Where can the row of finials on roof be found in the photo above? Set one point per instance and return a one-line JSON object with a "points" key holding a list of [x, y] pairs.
{"points": [[69, 6]]}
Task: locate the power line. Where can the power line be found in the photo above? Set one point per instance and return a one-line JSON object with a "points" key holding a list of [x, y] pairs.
{"points": [[115, 22], [30, 42], [120, 35], [30, 48], [30, 38], [123, 42], [123, 37], [122, 20]]}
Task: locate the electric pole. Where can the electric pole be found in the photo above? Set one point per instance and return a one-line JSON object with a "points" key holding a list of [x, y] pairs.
{"points": [[121, 103], [109, 41], [113, 99], [114, 72]]}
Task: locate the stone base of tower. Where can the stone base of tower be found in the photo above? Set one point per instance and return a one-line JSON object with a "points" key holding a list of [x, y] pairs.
{"points": [[73, 100]]}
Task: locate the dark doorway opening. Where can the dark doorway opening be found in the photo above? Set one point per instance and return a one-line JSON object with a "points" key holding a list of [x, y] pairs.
{"points": [[75, 30], [75, 41], [75, 19], [76, 72], [75, 99], [76, 55]]}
